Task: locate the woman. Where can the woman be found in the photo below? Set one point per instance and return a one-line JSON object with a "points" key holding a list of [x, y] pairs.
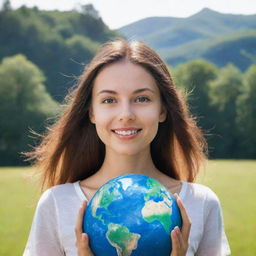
{"points": [[125, 116]]}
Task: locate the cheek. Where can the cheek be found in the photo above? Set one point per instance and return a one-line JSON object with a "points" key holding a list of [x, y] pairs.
{"points": [[102, 121], [151, 115], [102, 130], [150, 119], [100, 115], [154, 128]]}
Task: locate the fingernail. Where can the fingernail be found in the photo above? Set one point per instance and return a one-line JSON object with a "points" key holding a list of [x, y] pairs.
{"points": [[176, 230], [176, 196], [84, 237]]}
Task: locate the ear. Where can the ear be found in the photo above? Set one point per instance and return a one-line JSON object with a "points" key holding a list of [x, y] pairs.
{"points": [[163, 114], [91, 115]]}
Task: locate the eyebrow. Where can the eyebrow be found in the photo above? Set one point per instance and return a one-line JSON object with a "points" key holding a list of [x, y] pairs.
{"points": [[135, 92]]}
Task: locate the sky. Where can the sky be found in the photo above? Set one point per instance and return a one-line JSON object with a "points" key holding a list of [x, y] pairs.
{"points": [[117, 13]]}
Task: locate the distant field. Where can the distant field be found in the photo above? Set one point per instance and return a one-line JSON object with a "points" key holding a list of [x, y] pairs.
{"points": [[233, 181]]}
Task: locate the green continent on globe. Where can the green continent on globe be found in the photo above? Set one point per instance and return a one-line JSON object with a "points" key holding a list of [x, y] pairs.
{"points": [[154, 187], [122, 239], [159, 211], [103, 198]]}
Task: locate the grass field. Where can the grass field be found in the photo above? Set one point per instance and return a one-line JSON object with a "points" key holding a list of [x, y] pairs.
{"points": [[233, 181]]}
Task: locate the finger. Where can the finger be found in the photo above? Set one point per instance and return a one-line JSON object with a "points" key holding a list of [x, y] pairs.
{"points": [[175, 243], [79, 220], [85, 242], [185, 219], [83, 245], [83, 248], [182, 244], [179, 236]]}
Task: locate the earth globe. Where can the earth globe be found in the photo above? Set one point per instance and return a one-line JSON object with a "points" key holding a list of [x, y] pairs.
{"points": [[131, 215]]}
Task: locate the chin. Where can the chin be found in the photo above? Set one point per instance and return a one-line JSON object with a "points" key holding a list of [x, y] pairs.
{"points": [[129, 151]]}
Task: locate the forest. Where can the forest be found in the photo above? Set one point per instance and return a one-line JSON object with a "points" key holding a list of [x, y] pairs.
{"points": [[42, 53]]}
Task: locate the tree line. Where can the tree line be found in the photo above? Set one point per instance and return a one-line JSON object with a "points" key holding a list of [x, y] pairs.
{"points": [[222, 100]]}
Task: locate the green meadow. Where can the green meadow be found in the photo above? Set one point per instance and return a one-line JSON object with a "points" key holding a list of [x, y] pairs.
{"points": [[233, 181]]}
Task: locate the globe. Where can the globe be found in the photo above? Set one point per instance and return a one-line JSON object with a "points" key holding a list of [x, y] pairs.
{"points": [[131, 215]]}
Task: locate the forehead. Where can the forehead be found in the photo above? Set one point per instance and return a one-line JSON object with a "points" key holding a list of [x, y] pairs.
{"points": [[124, 75]]}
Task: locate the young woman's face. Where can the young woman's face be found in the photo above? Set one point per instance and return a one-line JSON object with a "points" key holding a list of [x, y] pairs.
{"points": [[126, 108]]}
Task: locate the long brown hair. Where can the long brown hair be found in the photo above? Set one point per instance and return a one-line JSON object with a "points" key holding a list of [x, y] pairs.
{"points": [[71, 149]]}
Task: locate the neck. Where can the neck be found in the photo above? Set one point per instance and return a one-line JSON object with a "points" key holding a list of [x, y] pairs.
{"points": [[116, 165]]}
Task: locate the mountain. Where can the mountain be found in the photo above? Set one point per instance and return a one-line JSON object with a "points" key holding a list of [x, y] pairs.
{"points": [[207, 34]]}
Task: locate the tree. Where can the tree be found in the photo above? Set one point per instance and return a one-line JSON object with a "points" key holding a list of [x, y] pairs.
{"points": [[246, 115], [6, 6], [224, 93], [195, 77], [24, 104], [81, 48], [88, 9], [45, 37]]}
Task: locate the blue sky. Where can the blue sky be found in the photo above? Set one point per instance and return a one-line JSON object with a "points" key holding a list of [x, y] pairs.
{"points": [[117, 13]]}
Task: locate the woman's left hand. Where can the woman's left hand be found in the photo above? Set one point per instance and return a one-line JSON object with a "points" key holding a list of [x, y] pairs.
{"points": [[180, 237], [82, 239]]}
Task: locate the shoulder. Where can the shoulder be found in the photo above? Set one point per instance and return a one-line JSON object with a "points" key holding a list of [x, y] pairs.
{"points": [[62, 189], [200, 202], [57, 193], [201, 194]]}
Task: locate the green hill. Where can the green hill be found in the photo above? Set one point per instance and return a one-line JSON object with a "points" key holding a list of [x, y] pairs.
{"points": [[182, 39], [59, 43], [239, 50]]}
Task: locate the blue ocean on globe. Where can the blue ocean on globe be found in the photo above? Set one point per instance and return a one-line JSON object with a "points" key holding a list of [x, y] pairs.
{"points": [[131, 215]]}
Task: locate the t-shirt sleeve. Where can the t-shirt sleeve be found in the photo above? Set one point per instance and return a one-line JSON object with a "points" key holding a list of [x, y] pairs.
{"points": [[44, 237], [214, 241]]}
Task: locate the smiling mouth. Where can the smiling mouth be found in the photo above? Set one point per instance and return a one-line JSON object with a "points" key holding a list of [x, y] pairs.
{"points": [[126, 133]]}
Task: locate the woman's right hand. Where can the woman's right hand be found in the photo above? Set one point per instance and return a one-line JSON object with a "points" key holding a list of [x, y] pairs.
{"points": [[82, 239]]}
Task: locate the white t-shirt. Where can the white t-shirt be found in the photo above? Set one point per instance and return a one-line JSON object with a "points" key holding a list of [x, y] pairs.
{"points": [[52, 232]]}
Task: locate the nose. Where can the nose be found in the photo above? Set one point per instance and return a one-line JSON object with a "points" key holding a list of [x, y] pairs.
{"points": [[126, 112]]}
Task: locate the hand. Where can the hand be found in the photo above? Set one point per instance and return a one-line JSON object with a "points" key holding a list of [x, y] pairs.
{"points": [[82, 239], [180, 237]]}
